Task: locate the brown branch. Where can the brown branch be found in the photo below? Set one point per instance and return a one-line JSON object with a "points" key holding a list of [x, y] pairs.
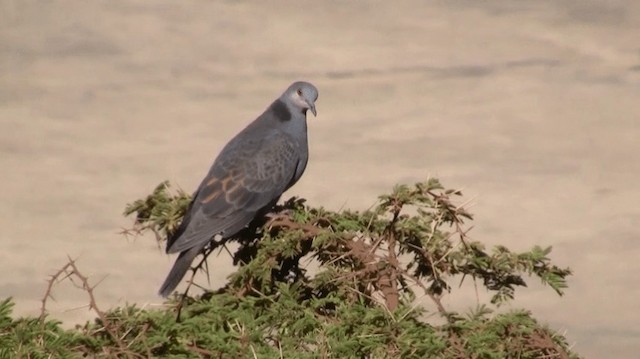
{"points": [[435, 298], [386, 280], [389, 281], [69, 271], [190, 282], [284, 221], [49, 291], [200, 351], [541, 340]]}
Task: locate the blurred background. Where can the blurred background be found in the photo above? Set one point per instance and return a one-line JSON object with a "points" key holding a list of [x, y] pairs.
{"points": [[532, 107]]}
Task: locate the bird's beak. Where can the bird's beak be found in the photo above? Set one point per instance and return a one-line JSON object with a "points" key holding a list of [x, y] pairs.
{"points": [[312, 107]]}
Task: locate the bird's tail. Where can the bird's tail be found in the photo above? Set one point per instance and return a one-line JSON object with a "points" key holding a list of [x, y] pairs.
{"points": [[179, 269]]}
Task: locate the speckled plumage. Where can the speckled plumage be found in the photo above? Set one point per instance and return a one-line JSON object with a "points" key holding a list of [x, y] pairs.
{"points": [[248, 176]]}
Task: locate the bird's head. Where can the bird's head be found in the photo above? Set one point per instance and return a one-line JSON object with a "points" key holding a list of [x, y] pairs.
{"points": [[303, 96]]}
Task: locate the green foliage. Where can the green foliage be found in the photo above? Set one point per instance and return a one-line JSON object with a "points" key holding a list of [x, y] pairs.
{"points": [[159, 212], [376, 293], [32, 337]]}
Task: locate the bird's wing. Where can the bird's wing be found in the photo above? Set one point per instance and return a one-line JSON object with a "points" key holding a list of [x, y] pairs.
{"points": [[245, 178]]}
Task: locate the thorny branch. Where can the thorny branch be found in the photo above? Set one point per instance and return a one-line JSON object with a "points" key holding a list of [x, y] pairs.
{"points": [[70, 271], [389, 280]]}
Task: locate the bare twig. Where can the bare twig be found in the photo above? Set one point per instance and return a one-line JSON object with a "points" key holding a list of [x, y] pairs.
{"points": [[389, 281], [70, 271]]}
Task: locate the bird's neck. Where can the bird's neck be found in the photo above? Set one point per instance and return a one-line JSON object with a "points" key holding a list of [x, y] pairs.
{"points": [[281, 111]]}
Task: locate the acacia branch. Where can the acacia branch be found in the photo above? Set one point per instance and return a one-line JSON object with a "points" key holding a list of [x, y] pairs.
{"points": [[389, 281], [68, 271]]}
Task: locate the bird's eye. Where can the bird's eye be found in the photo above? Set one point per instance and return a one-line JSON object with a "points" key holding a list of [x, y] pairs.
{"points": [[299, 92]]}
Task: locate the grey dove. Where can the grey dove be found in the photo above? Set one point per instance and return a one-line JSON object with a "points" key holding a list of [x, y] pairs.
{"points": [[246, 179]]}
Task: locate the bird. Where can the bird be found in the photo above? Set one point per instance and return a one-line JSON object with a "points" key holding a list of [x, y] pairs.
{"points": [[246, 179]]}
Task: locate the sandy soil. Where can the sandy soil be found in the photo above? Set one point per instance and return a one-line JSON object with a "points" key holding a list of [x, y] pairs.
{"points": [[531, 107]]}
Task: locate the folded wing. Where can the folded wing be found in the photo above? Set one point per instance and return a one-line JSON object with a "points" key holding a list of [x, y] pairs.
{"points": [[242, 181]]}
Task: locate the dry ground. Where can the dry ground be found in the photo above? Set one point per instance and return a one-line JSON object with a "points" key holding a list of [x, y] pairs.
{"points": [[532, 107]]}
